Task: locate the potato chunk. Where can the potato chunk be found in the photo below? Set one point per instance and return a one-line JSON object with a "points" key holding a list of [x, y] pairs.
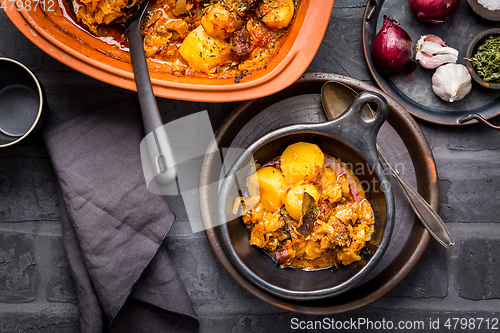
{"points": [[294, 198], [202, 52], [302, 161], [271, 187], [271, 180], [219, 23], [276, 14]]}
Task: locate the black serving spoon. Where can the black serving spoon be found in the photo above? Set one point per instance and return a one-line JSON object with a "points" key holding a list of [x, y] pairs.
{"points": [[156, 148], [161, 159]]}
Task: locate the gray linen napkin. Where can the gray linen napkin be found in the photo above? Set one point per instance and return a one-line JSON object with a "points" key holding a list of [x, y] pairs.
{"points": [[113, 228]]}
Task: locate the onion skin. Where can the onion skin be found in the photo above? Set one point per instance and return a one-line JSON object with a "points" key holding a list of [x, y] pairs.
{"points": [[392, 48], [434, 11]]}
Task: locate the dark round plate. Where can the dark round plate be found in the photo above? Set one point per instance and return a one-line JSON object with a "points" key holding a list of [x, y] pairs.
{"points": [[414, 91], [400, 138]]}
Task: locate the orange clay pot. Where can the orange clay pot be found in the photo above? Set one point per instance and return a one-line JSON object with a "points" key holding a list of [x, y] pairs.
{"points": [[56, 33]]}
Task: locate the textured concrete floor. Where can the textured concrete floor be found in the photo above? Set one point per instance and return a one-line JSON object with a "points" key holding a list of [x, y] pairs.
{"points": [[36, 290]]}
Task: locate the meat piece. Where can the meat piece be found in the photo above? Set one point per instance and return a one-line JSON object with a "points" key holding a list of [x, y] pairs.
{"points": [[325, 209], [340, 234], [252, 4], [284, 257], [310, 214], [241, 44]]}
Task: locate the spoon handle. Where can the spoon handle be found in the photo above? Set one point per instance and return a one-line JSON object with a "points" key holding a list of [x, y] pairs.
{"points": [[161, 158], [429, 218]]}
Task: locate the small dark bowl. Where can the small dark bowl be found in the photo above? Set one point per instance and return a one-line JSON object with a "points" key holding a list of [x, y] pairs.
{"points": [[351, 137], [492, 15], [477, 41], [21, 102]]}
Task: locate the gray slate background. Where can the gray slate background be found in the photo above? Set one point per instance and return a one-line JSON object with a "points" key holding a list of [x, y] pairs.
{"points": [[36, 290]]}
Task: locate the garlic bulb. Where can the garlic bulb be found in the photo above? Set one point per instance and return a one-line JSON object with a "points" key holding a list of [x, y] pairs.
{"points": [[432, 52], [451, 82]]}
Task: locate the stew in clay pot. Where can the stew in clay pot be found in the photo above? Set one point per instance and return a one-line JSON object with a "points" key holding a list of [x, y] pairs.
{"points": [[198, 38]]}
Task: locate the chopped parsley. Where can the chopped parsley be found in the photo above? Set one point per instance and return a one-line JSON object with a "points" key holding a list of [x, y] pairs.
{"points": [[486, 61]]}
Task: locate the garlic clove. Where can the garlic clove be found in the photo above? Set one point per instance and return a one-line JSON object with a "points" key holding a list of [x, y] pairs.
{"points": [[428, 47], [434, 61], [451, 82], [432, 52], [447, 50], [433, 38]]}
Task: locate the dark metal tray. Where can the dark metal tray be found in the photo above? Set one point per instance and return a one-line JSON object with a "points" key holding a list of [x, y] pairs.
{"points": [[414, 91], [401, 139]]}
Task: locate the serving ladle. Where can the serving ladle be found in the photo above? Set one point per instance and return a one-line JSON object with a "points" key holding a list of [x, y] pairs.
{"points": [[161, 157], [336, 98]]}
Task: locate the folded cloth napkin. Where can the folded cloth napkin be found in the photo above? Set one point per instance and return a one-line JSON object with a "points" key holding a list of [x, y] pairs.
{"points": [[113, 228]]}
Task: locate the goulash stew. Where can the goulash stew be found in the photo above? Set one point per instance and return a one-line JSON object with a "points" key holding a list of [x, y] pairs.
{"points": [[307, 210], [214, 38]]}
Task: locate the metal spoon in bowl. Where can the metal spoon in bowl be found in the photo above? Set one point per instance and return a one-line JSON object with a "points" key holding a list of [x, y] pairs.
{"points": [[336, 98], [161, 157]]}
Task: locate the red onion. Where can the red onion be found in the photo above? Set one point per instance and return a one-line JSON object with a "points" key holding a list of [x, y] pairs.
{"points": [[392, 48], [434, 11]]}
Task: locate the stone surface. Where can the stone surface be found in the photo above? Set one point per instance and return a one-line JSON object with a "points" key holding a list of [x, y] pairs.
{"points": [[445, 284], [177, 206], [14, 45], [190, 257], [429, 278], [369, 320], [19, 278], [474, 138], [210, 287], [342, 38], [479, 269], [60, 287], [27, 190], [431, 132], [32, 147], [39, 323], [470, 192]]}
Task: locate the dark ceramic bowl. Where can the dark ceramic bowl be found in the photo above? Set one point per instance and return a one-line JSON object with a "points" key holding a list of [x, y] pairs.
{"points": [[21, 102], [492, 15], [351, 137], [475, 43]]}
